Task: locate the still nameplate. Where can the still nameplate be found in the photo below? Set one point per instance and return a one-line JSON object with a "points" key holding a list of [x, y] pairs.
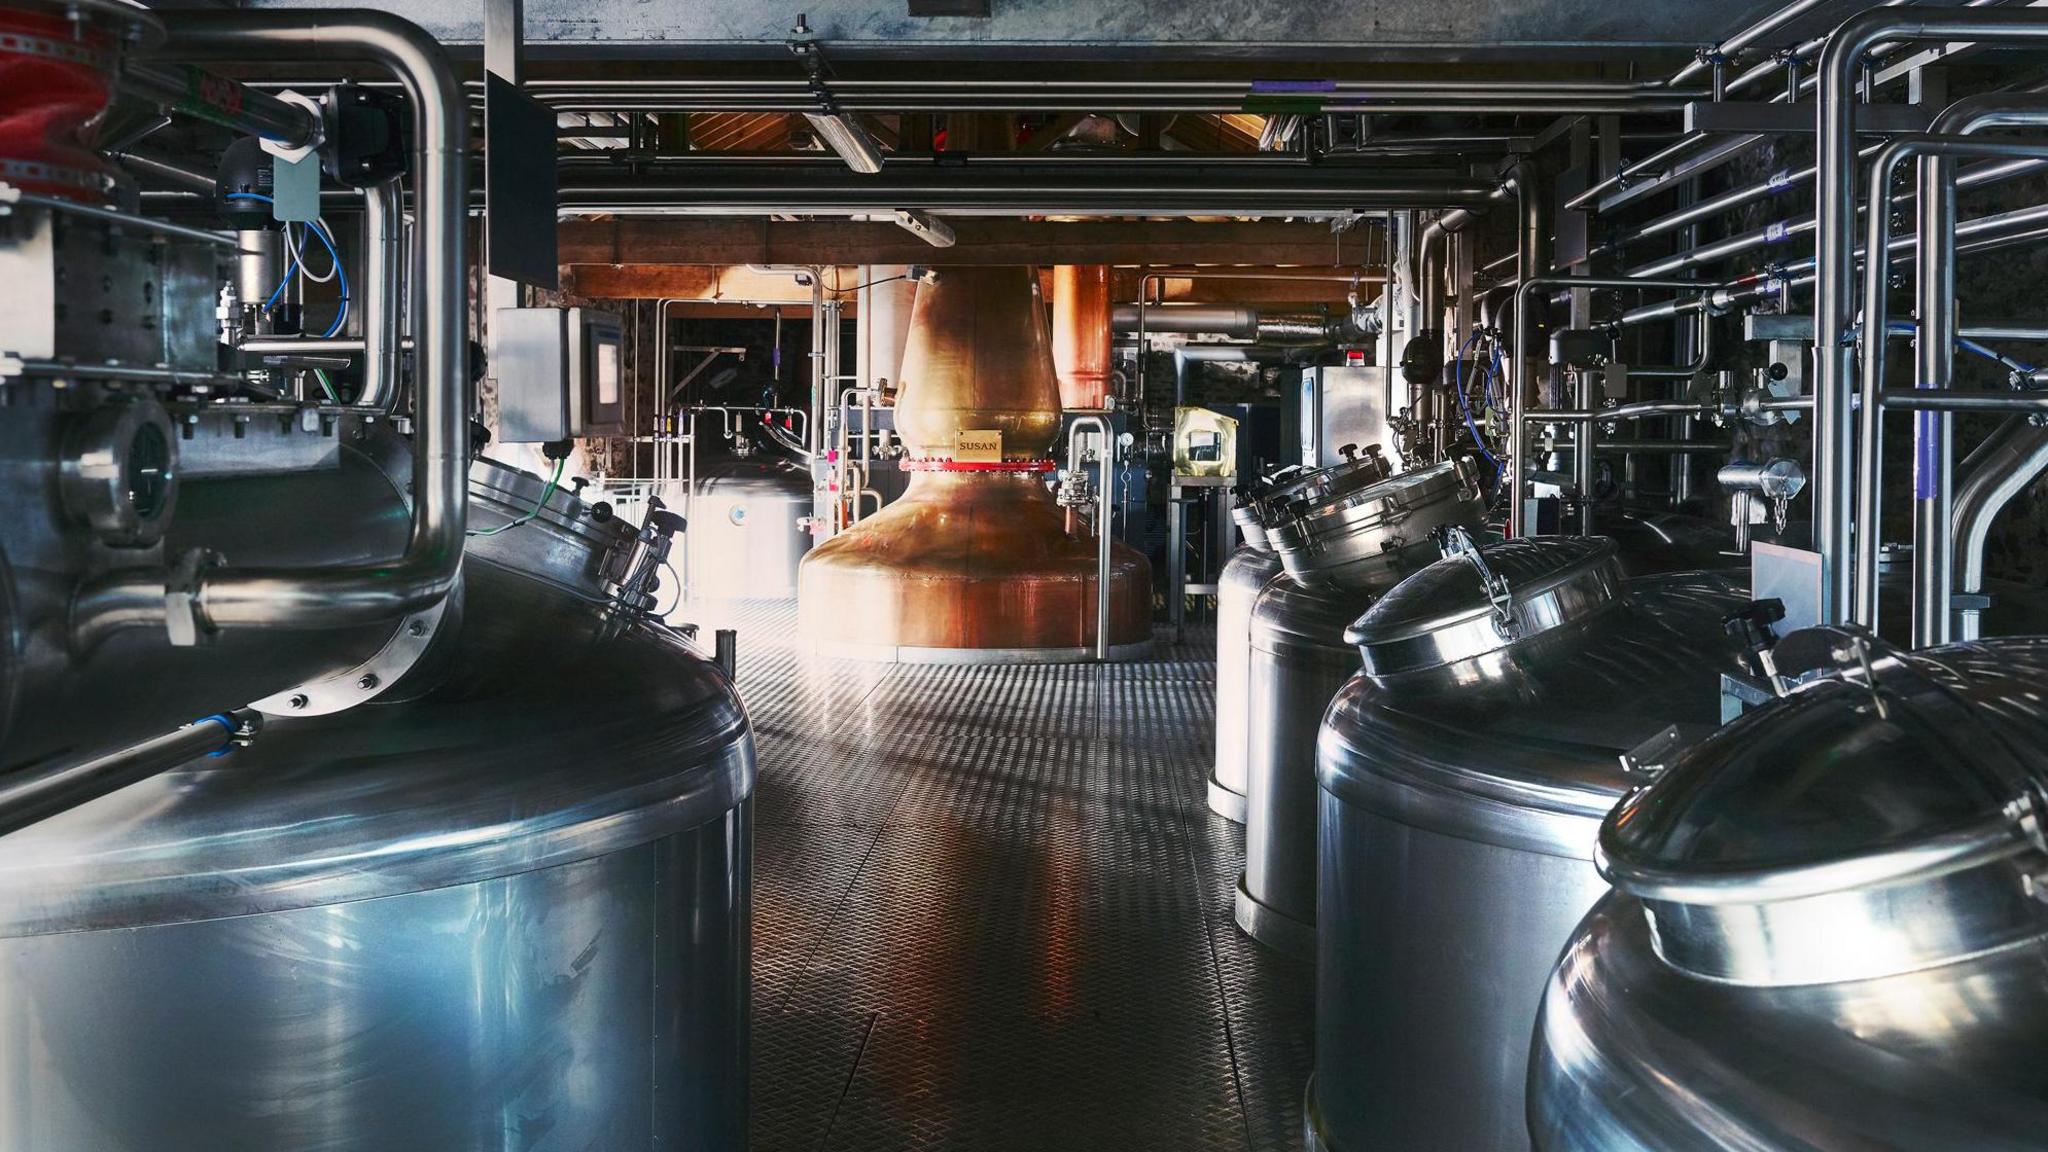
{"points": [[978, 446]]}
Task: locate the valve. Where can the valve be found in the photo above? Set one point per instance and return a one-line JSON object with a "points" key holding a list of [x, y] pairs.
{"points": [[1753, 626], [632, 572]]}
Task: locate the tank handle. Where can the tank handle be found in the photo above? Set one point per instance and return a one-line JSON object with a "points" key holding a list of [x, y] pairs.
{"points": [[1455, 540]]}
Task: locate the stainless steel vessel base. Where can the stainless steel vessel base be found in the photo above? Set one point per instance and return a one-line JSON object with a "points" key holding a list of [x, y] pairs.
{"points": [[1225, 802], [1273, 928]]}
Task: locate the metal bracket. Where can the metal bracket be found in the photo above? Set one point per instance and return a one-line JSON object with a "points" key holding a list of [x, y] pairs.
{"points": [[1454, 540], [366, 681], [1653, 757]]}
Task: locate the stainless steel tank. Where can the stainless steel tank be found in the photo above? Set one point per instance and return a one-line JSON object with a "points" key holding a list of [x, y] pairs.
{"points": [[1463, 775], [1250, 568], [503, 906], [748, 530], [1827, 930], [1299, 659]]}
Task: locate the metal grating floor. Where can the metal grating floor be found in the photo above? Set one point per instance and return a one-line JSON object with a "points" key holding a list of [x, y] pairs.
{"points": [[991, 910]]}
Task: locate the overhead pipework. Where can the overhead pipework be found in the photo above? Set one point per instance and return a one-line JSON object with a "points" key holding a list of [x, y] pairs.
{"points": [[447, 510]]}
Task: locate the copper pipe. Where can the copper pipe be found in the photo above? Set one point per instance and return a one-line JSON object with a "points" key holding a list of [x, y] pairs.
{"points": [[1081, 333]]}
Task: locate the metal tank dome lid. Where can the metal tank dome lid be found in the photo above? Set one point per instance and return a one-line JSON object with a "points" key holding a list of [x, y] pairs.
{"points": [[1480, 599], [1895, 798], [601, 735], [1290, 493]]}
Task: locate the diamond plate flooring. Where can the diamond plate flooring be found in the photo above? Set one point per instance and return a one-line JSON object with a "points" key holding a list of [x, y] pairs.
{"points": [[992, 910]]}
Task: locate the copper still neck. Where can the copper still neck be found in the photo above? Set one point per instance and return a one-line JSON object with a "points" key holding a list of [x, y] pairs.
{"points": [[979, 359]]}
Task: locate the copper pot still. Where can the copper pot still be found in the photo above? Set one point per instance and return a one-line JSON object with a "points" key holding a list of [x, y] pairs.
{"points": [[974, 562]]}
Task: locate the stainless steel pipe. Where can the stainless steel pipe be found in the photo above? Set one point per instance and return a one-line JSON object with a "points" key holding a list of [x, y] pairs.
{"points": [[1935, 243], [1105, 486], [1770, 23], [1998, 469], [349, 595], [1234, 320], [1520, 381], [1834, 309], [384, 262]]}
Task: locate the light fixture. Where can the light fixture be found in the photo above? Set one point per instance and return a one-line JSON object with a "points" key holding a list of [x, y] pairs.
{"points": [[845, 136]]}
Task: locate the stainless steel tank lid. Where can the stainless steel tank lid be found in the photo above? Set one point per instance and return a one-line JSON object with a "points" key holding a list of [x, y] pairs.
{"points": [[1486, 598], [1526, 753], [1289, 495], [1883, 817], [558, 735], [1361, 508]]}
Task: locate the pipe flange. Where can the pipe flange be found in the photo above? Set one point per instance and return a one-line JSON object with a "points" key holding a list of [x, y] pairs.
{"points": [[118, 474], [297, 153], [185, 623], [366, 681]]}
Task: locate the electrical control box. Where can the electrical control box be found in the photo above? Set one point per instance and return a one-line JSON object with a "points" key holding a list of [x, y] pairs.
{"points": [[1340, 406], [560, 372]]}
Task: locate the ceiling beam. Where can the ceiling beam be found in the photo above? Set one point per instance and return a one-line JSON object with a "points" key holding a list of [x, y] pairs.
{"points": [[736, 292], [978, 240]]}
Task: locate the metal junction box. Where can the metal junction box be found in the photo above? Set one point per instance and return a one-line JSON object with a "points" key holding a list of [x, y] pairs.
{"points": [[1341, 406], [560, 373]]}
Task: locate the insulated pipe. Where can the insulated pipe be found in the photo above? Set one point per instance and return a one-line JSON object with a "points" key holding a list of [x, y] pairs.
{"points": [[383, 303], [1148, 279], [1013, 188], [351, 595], [882, 323], [1519, 383], [1236, 321], [218, 99], [1834, 308]]}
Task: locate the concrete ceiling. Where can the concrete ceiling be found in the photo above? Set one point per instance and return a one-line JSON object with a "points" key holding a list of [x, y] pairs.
{"points": [[1132, 29]]}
